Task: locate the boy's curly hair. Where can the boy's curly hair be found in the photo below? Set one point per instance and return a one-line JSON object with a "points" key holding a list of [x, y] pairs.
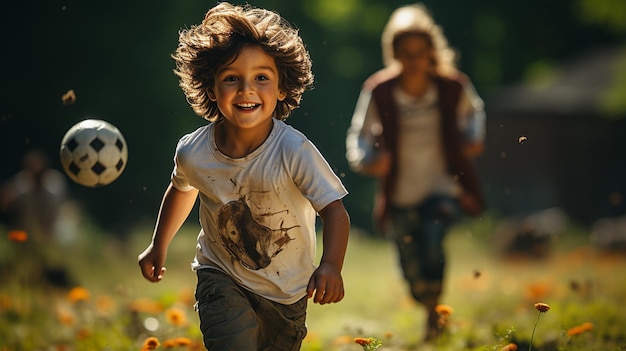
{"points": [[225, 30]]}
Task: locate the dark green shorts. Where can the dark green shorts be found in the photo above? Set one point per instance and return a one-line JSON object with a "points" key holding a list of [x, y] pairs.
{"points": [[233, 318]]}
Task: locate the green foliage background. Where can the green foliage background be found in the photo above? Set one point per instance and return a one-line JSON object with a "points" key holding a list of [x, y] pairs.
{"points": [[115, 56]]}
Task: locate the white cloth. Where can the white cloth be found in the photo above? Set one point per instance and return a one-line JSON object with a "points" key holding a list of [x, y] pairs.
{"points": [[257, 213], [422, 168]]}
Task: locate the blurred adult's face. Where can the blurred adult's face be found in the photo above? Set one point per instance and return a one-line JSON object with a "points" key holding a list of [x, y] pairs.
{"points": [[414, 53]]}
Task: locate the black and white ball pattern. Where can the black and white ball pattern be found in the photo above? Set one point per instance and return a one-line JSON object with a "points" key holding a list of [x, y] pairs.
{"points": [[94, 153]]}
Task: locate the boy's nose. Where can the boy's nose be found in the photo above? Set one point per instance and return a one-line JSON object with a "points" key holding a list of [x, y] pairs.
{"points": [[245, 87]]}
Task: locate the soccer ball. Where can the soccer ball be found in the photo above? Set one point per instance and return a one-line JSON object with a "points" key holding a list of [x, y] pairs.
{"points": [[93, 153]]}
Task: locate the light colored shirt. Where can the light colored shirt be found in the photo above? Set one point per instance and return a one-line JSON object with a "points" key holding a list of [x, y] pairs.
{"points": [[422, 168], [257, 213]]}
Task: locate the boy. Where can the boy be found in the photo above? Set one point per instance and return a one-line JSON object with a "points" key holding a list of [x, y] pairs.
{"points": [[260, 184]]}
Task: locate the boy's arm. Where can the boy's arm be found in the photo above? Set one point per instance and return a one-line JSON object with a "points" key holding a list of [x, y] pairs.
{"points": [[326, 284], [175, 209]]}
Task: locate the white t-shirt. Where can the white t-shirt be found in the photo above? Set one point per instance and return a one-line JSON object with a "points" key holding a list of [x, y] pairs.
{"points": [[422, 168], [257, 213]]}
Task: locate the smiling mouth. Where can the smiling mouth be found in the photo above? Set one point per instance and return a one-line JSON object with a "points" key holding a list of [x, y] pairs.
{"points": [[247, 106]]}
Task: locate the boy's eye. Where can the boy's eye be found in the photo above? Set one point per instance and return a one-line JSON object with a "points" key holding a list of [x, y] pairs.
{"points": [[262, 78], [230, 79]]}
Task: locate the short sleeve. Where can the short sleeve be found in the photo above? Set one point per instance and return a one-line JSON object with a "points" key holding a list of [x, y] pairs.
{"points": [[179, 179], [315, 178]]}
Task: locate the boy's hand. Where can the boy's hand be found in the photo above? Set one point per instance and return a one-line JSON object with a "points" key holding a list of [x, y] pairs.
{"points": [[325, 285], [151, 264]]}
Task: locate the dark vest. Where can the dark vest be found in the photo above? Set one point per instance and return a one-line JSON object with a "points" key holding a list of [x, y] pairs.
{"points": [[459, 166]]}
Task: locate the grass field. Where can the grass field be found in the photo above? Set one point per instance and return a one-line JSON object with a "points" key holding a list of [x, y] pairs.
{"points": [[107, 305]]}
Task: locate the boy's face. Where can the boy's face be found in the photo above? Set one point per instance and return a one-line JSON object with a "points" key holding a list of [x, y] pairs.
{"points": [[415, 54], [246, 90]]}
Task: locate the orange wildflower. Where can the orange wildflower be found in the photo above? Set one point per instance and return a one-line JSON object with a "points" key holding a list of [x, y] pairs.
{"points": [[587, 326], [542, 307], [78, 294], [579, 329], [104, 304], [175, 342], [442, 309], [17, 235], [509, 347], [176, 316], [65, 317], [537, 290], [146, 305], [369, 344], [169, 344], [574, 331], [5, 302], [83, 333], [182, 341], [150, 343], [363, 341], [342, 340]]}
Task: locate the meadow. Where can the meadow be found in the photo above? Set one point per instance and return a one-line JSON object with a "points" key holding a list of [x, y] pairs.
{"points": [[88, 294]]}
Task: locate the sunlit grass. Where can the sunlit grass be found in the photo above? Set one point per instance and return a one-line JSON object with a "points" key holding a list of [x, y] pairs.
{"points": [[109, 306], [493, 296]]}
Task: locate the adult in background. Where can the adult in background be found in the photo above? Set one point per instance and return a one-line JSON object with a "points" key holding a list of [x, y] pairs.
{"points": [[417, 125]]}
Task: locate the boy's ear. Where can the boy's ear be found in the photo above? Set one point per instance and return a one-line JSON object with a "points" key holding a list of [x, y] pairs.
{"points": [[211, 95], [281, 95]]}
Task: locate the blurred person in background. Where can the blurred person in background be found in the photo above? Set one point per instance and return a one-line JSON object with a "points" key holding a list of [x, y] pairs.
{"points": [[417, 125], [32, 200], [35, 204]]}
